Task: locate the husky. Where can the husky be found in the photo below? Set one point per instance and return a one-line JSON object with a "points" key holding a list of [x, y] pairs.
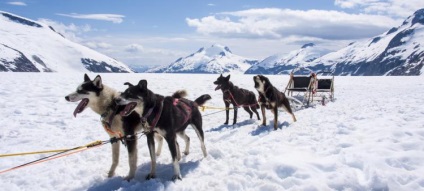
{"points": [[238, 97], [167, 116], [270, 98], [100, 98]]}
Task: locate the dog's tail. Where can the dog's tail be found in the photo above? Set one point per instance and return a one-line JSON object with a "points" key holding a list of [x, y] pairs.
{"points": [[179, 94], [202, 99]]}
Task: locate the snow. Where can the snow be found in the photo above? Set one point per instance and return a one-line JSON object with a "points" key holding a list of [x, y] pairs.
{"points": [[214, 59], [296, 57], [370, 138], [44, 43]]}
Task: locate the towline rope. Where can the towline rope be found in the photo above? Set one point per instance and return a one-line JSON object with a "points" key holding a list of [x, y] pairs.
{"points": [[64, 152]]}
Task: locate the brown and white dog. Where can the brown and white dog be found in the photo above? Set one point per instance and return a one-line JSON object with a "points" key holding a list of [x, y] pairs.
{"points": [[100, 98], [270, 98]]}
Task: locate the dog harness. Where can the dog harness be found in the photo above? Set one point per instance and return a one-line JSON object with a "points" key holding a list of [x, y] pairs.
{"points": [[185, 110], [157, 117]]}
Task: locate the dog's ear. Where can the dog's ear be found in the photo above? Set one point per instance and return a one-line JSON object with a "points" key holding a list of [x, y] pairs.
{"points": [[228, 77], [98, 81], [86, 78], [142, 84], [128, 84]]}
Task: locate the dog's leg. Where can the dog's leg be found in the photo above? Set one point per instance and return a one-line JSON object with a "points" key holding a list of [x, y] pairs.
{"points": [[263, 115], [186, 140], [235, 114], [275, 112], [132, 156], [287, 108], [227, 112], [177, 146], [172, 144], [151, 145], [254, 109], [248, 111], [115, 159], [197, 126], [159, 139]]}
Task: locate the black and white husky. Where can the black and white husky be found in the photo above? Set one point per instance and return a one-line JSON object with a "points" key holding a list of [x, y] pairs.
{"points": [[100, 98], [167, 116]]}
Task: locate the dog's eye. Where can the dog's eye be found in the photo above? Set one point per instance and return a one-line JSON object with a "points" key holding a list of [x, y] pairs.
{"points": [[82, 92]]}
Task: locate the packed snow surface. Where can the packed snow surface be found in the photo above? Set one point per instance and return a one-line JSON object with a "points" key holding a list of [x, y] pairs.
{"points": [[370, 138]]}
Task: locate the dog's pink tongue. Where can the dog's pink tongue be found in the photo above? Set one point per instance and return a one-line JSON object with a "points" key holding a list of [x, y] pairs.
{"points": [[128, 108], [81, 106], [218, 87]]}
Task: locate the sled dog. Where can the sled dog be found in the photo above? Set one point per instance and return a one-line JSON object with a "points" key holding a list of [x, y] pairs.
{"points": [[238, 97], [100, 98], [167, 116], [270, 98]]}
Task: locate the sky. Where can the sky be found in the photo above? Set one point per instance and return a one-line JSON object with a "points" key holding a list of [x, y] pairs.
{"points": [[152, 33]]}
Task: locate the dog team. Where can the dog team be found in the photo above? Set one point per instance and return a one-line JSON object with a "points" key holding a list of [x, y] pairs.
{"points": [[139, 109]]}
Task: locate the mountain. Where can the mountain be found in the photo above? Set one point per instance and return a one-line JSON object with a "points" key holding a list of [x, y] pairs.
{"points": [[215, 59], [30, 46], [284, 63], [399, 51]]}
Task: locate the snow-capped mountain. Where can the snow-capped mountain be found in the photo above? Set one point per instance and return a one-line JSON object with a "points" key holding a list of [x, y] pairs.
{"points": [[284, 63], [215, 59], [399, 51], [30, 46]]}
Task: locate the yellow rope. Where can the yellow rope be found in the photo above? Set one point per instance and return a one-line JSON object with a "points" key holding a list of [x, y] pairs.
{"points": [[203, 108], [95, 143]]}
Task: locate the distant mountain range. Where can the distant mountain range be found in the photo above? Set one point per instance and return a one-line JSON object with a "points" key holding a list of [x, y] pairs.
{"points": [[215, 59], [285, 63], [399, 51], [30, 46]]}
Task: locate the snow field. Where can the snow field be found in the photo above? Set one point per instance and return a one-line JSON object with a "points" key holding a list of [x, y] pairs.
{"points": [[370, 138]]}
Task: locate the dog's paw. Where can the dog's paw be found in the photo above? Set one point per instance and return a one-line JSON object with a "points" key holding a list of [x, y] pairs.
{"points": [[128, 178], [176, 177], [150, 176], [110, 174], [186, 152], [226, 123]]}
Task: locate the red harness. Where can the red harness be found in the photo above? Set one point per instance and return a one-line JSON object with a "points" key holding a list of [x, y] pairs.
{"points": [[187, 109]]}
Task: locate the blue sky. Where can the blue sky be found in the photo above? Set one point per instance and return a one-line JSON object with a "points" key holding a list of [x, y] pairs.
{"points": [[158, 32]]}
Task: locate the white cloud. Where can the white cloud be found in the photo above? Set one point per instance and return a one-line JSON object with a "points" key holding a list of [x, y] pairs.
{"points": [[134, 48], [280, 23], [98, 45], [18, 3], [211, 4], [71, 31], [103, 17], [393, 8]]}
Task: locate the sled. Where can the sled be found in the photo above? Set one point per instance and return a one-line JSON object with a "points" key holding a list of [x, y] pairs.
{"points": [[325, 87], [300, 87], [304, 89]]}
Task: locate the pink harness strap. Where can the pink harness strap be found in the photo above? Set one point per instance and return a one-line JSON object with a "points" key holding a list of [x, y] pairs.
{"points": [[186, 111]]}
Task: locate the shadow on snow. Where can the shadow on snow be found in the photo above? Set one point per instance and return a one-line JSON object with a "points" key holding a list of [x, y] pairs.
{"points": [[237, 125], [268, 128], [164, 173]]}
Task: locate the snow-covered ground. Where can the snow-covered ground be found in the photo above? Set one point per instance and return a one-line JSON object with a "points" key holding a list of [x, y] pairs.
{"points": [[370, 138]]}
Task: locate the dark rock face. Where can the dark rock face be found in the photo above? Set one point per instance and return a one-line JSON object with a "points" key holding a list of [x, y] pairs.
{"points": [[21, 20], [19, 64], [100, 67]]}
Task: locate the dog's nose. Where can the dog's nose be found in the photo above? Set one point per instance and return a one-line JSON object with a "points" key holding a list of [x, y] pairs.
{"points": [[67, 98]]}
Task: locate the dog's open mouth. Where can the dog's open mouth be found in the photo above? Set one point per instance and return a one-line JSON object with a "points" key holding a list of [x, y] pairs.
{"points": [[128, 109], [218, 87], [81, 106]]}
